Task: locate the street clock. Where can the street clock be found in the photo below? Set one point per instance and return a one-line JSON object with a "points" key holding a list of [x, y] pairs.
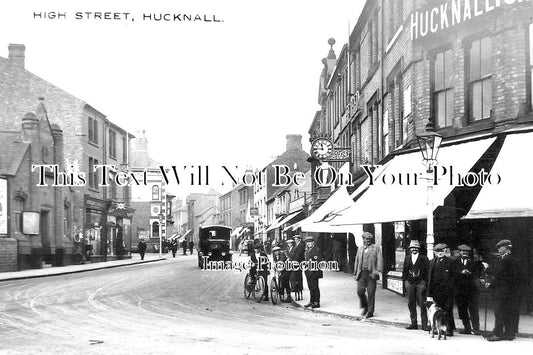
{"points": [[321, 148]]}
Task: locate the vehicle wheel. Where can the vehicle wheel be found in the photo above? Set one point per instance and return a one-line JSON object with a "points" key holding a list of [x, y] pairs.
{"points": [[247, 287], [274, 294], [259, 289]]}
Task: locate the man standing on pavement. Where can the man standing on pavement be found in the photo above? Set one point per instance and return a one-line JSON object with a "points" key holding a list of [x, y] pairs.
{"points": [[184, 246], [191, 246], [440, 286], [142, 248], [506, 286], [297, 255], [313, 256], [368, 265], [466, 273], [415, 276], [283, 274]]}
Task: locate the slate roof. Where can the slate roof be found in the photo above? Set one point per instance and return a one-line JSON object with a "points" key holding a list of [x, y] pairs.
{"points": [[12, 152]]}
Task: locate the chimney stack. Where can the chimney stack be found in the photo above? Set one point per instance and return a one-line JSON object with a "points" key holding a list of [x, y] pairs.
{"points": [[294, 141], [17, 54]]}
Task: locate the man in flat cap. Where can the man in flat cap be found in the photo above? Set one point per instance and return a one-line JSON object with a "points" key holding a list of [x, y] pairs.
{"points": [[368, 265], [415, 275], [260, 264], [506, 286], [440, 286], [313, 256], [466, 272], [279, 255]]}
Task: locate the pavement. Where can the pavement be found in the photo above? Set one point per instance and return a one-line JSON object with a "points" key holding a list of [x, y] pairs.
{"points": [[337, 289]]}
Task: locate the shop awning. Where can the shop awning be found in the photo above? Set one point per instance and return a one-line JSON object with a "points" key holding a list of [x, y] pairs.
{"points": [[236, 231], [513, 196], [390, 202], [274, 224], [288, 218]]}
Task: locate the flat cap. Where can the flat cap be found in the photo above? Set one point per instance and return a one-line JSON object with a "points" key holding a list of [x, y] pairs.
{"points": [[440, 246], [464, 247], [276, 249], [297, 236], [504, 243], [367, 235], [414, 244], [289, 241], [309, 239]]}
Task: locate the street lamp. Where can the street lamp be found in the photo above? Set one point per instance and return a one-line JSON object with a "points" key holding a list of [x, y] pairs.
{"points": [[429, 143], [161, 217]]}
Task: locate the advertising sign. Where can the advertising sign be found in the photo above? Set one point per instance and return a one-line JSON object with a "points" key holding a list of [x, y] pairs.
{"points": [[30, 222]]}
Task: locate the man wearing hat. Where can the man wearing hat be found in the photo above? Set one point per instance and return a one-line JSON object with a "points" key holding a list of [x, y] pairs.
{"points": [[296, 255], [415, 275], [283, 274], [313, 274], [260, 263], [440, 286], [506, 286], [368, 265], [466, 272]]}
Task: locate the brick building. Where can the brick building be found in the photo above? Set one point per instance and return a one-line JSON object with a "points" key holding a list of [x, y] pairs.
{"points": [[465, 68], [99, 208], [35, 221]]}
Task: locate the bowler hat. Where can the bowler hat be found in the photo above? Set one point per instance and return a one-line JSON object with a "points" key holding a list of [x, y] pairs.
{"points": [[309, 239], [414, 244], [440, 246], [464, 247], [504, 243]]}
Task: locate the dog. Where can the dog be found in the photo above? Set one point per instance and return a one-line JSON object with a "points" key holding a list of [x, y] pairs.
{"points": [[438, 319]]}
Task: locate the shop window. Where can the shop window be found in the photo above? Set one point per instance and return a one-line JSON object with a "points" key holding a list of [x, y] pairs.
{"points": [[93, 130], [480, 79], [443, 89]]}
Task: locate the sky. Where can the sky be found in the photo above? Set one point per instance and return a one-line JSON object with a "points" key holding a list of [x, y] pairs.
{"points": [[206, 93]]}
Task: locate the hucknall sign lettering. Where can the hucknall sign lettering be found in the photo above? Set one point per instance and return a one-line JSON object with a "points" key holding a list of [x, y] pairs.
{"points": [[452, 13]]}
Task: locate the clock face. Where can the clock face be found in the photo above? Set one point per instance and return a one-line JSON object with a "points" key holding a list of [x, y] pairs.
{"points": [[321, 148]]}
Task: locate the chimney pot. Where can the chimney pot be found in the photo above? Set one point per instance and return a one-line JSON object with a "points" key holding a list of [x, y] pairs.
{"points": [[294, 141], [17, 54]]}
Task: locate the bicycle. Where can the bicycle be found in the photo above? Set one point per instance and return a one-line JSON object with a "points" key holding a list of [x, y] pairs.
{"points": [[277, 294], [254, 286]]}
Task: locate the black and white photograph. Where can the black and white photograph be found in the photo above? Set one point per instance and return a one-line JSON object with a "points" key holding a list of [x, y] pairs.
{"points": [[251, 177]]}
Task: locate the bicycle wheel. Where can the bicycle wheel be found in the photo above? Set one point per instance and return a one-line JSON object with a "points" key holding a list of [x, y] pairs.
{"points": [[274, 294], [247, 287], [259, 289]]}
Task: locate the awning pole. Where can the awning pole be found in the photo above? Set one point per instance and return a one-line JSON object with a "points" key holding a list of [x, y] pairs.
{"points": [[430, 239]]}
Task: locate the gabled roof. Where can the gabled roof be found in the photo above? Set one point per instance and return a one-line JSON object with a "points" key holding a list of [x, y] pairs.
{"points": [[12, 152]]}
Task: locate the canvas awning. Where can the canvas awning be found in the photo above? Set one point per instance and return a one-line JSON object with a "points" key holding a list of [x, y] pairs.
{"points": [[390, 202], [274, 224], [236, 231], [513, 196], [281, 221]]}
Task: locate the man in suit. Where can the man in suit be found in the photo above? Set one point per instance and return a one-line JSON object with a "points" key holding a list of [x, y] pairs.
{"points": [[261, 264], [440, 286], [142, 248], [368, 265], [415, 276], [466, 272], [313, 256], [506, 286], [283, 273], [297, 255]]}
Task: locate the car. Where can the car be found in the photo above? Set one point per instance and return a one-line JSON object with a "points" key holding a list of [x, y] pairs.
{"points": [[214, 244]]}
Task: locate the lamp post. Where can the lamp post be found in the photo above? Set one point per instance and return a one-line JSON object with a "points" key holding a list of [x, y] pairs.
{"points": [[161, 217], [429, 143]]}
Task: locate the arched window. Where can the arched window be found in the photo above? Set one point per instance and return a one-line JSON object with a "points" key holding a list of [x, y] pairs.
{"points": [[155, 230], [155, 192]]}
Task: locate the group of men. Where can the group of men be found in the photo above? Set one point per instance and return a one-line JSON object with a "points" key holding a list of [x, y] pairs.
{"points": [[445, 280], [291, 280]]}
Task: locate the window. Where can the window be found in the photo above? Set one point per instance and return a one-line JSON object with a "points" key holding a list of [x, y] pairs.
{"points": [[112, 187], [155, 229], [531, 66], [155, 192], [443, 89], [92, 173], [124, 150], [395, 17], [373, 38], [385, 133], [93, 130], [406, 112], [480, 79], [112, 143]]}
